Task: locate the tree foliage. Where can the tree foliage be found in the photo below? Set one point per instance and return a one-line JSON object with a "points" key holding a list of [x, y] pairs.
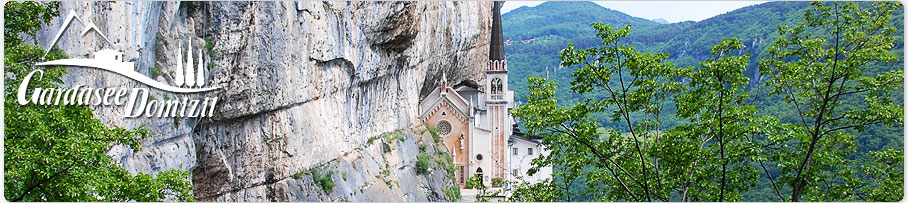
{"points": [[57, 153], [821, 65], [723, 145], [711, 153], [632, 82]]}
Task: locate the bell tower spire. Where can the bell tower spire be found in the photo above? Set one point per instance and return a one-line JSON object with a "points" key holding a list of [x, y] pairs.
{"points": [[496, 47]]}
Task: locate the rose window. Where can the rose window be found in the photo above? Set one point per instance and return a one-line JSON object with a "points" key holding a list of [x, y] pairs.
{"points": [[444, 128]]}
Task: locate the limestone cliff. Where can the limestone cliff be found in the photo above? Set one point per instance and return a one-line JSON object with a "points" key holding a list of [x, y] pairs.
{"points": [[304, 86]]}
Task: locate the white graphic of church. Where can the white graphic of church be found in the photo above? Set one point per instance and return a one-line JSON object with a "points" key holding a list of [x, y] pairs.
{"points": [[189, 77]]}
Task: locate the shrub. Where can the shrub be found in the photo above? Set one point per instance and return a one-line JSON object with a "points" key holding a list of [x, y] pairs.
{"points": [[385, 148], [446, 163], [397, 137], [422, 164], [209, 47], [497, 182], [155, 71], [474, 182], [435, 134], [452, 192], [323, 181]]}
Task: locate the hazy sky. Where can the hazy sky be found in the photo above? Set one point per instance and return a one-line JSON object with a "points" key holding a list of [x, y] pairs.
{"points": [[672, 11]]}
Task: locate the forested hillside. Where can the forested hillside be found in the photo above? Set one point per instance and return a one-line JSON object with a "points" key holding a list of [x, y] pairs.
{"points": [[535, 35]]}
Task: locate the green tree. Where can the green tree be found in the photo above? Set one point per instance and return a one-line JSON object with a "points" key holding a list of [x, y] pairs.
{"points": [[820, 66], [539, 192], [484, 194], [632, 86], [887, 169], [716, 152], [57, 153], [709, 155]]}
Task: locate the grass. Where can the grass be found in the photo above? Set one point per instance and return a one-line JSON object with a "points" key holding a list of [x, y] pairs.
{"points": [[389, 138], [298, 175], [385, 173], [398, 137], [384, 176], [394, 136]]}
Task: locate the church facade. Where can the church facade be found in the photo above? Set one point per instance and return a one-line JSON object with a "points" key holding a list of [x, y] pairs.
{"points": [[475, 124]]}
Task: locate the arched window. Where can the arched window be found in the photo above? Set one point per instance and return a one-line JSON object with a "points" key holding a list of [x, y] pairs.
{"points": [[479, 175], [496, 86]]}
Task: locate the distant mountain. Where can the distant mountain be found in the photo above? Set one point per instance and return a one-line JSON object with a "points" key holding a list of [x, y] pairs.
{"points": [[536, 34], [660, 21], [562, 18], [754, 25]]}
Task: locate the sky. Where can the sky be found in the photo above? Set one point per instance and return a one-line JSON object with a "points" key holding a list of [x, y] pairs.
{"points": [[671, 11]]}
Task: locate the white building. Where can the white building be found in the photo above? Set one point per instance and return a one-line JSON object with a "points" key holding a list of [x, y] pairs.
{"points": [[523, 151]]}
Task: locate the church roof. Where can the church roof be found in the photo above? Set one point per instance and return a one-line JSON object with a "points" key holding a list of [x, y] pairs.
{"points": [[496, 47], [517, 133], [466, 84], [526, 139], [444, 95]]}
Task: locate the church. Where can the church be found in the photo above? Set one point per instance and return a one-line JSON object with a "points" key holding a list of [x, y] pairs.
{"points": [[476, 126]]}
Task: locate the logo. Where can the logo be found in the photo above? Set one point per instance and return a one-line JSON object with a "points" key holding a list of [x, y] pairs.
{"points": [[188, 78]]}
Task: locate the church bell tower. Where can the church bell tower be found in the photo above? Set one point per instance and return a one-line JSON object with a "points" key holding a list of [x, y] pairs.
{"points": [[500, 98]]}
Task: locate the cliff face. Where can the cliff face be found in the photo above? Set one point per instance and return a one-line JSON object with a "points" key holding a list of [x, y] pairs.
{"points": [[304, 85]]}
